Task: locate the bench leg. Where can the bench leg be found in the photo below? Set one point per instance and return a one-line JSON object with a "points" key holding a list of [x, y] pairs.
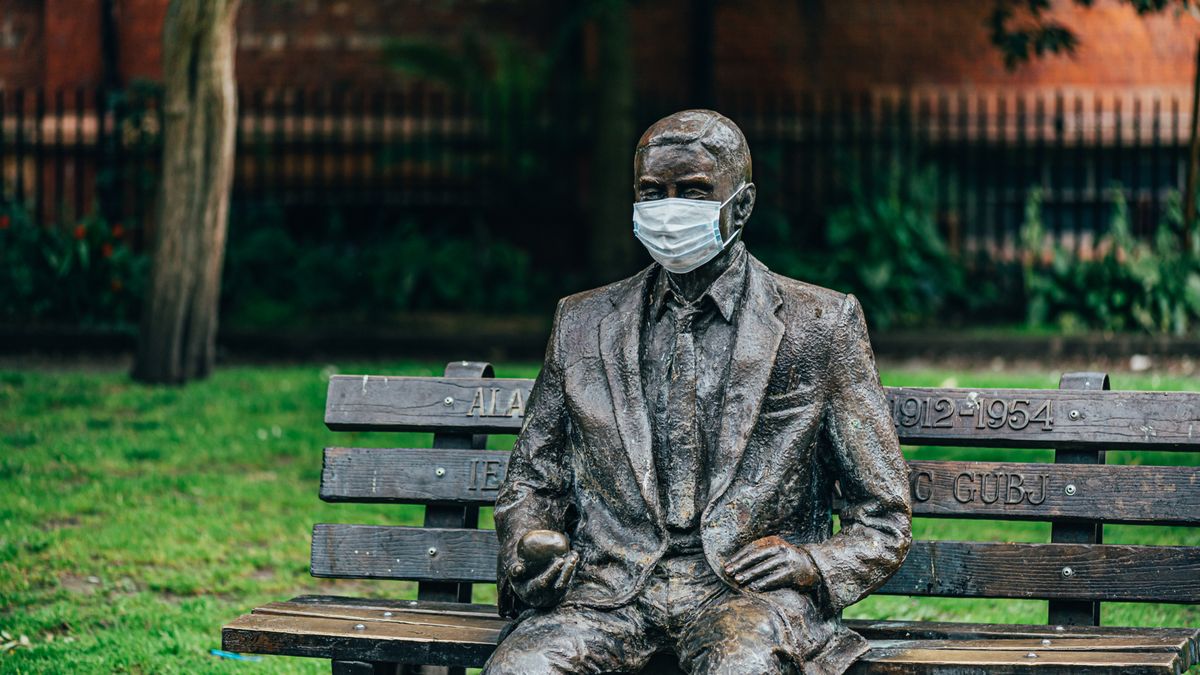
{"points": [[363, 668]]}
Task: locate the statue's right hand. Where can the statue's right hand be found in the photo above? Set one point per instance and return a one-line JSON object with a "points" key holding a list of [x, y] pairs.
{"points": [[544, 567]]}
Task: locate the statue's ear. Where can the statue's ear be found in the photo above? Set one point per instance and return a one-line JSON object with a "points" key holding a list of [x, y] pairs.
{"points": [[743, 206]]}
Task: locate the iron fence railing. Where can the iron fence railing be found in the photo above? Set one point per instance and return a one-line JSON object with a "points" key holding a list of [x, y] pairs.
{"points": [[66, 153]]}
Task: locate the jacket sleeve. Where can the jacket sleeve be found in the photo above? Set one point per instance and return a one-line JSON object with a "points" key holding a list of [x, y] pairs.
{"points": [[864, 454], [534, 494]]}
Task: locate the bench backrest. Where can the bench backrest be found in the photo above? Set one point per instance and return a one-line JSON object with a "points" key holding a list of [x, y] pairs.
{"points": [[1077, 493]]}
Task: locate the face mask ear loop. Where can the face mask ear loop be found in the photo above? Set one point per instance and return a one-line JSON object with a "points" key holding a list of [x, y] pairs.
{"points": [[735, 194], [734, 235]]}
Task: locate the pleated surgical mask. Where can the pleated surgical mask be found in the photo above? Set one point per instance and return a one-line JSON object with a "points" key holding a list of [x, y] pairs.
{"points": [[681, 234]]}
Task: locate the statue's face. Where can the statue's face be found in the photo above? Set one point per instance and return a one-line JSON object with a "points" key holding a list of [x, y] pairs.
{"points": [[685, 172]]}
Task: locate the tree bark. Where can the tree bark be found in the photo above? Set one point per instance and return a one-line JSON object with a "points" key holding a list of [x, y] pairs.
{"points": [[1193, 168], [611, 197], [179, 318]]}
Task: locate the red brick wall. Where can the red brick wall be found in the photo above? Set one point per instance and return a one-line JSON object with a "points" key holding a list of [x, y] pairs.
{"points": [[858, 44], [21, 52], [340, 43], [139, 28], [71, 44], [761, 45]]}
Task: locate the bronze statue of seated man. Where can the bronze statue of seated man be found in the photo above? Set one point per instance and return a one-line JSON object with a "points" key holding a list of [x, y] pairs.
{"points": [[671, 488]]}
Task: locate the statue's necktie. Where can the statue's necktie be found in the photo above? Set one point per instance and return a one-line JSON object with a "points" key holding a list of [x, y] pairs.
{"points": [[683, 431]]}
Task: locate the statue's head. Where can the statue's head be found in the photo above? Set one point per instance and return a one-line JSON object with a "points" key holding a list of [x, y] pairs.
{"points": [[701, 155]]}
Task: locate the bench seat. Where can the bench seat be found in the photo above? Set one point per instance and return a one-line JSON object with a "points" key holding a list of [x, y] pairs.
{"points": [[461, 634]]}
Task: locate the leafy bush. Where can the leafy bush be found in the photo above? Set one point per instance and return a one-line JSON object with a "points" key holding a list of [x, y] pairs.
{"points": [[273, 277], [86, 273], [89, 273], [884, 246], [1153, 286]]}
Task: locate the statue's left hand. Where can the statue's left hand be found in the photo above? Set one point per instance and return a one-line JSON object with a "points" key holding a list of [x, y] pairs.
{"points": [[770, 563]]}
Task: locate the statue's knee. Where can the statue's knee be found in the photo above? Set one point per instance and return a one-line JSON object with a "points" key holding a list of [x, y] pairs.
{"points": [[739, 659], [733, 647], [533, 653], [738, 663], [518, 662]]}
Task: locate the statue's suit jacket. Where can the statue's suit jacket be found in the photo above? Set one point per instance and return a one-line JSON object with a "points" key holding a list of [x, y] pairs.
{"points": [[804, 408]]}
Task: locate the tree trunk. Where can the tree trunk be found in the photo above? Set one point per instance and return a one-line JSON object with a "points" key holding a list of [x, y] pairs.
{"points": [[179, 318], [611, 196], [1193, 168]]}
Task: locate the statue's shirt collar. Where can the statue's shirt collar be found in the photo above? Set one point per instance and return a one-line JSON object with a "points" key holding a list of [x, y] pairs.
{"points": [[725, 291]]}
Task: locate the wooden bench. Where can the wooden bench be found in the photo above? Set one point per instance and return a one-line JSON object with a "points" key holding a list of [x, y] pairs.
{"points": [[1074, 572]]}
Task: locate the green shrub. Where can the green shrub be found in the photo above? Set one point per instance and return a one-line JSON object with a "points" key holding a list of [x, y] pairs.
{"points": [[88, 273], [272, 277], [84, 273], [1129, 284], [884, 246]]}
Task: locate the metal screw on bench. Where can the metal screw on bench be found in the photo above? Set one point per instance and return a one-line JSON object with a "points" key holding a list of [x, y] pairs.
{"points": [[1069, 489], [1074, 414], [359, 626], [439, 472], [1068, 572], [448, 401], [432, 551], [1059, 629], [1045, 643], [387, 613], [1031, 655]]}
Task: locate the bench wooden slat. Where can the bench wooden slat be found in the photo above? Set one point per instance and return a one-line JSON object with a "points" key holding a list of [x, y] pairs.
{"points": [[1040, 418], [1027, 418], [1188, 639], [904, 661], [384, 639], [493, 622], [410, 553], [339, 639], [431, 404], [1185, 640], [410, 475], [1005, 570], [938, 568], [1166, 495], [427, 606]]}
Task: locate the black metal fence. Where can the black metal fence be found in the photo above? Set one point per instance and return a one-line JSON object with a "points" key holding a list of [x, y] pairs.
{"points": [[423, 150]]}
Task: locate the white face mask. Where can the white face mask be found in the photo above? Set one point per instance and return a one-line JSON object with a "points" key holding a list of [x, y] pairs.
{"points": [[681, 234]]}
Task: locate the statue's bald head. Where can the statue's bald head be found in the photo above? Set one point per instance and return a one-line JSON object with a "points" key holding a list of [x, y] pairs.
{"points": [[696, 154], [710, 130]]}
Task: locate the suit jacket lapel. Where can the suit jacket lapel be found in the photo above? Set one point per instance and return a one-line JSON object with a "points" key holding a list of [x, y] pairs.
{"points": [[620, 335], [759, 332]]}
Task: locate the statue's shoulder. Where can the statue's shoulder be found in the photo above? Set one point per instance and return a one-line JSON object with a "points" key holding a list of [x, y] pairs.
{"points": [[585, 310], [604, 299], [806, 302]]}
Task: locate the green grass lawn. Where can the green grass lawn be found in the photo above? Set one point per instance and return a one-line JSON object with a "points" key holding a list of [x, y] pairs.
{"points": [[134, 521]]}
